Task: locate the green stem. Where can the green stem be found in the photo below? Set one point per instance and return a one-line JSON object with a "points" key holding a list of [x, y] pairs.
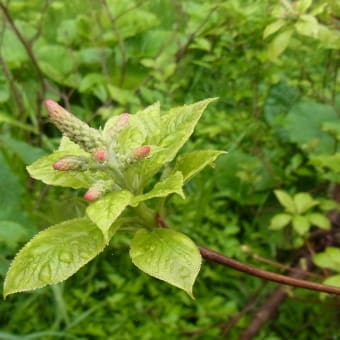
{"points": [[147, 215]]}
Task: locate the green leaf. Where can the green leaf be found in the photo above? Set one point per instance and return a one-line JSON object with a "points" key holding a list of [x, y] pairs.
{"points": [[106, 210], [279, 221], [175, 129], [286, 200], [193, 162], [330, 258], [301, 224], [303, 202], [178, 125], [151, 119], [167, 255], [333, 280], [27, 153], [56, 62], [308, 25], [53, 255], [302, 5], [5, 119], [312, 116], [273, 28], [319, 220], [170, 185], [12, 233], [279, 44]]}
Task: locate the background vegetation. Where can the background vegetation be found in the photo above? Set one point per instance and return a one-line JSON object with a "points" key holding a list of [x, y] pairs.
{"points": [[274, 66]]}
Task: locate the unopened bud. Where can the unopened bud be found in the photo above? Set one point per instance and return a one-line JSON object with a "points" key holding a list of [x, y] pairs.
{"points": [[119, 125], [97, 190], [75, 129], [122, 121], [100, 154], [92, 195], [71, 163], [141, 152]]}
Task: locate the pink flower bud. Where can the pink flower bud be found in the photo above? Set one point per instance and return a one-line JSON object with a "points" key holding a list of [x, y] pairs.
{"points": [[100, 154], [141, 152], [71, 163], [92, 194], [56, 112], [119, 125], [122, 120]]}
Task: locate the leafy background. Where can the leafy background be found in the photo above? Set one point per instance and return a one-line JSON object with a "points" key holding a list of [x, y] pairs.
{"points": [[274, 66]]}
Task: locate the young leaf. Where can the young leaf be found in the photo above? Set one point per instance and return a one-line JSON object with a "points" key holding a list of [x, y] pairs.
{"points": [[308, 25], [170, 185], [279, 44], [167, 255], [53, 255], [319, 220], [330, 258], [178, 125], [300, 224], [303, 202], [273, 28], [193, 162], [333, 280], [286, 200], [151, 119], [105, 211], [279, 221], [175, 129]]}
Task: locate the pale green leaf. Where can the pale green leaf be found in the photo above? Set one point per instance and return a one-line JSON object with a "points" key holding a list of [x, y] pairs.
{"points": [[333, 280], [279, 221], [189, 164], [175, 129], [301, 224], [72, 148], [279, 44], [170, 185], [53, 255], [151, 119], [330, 258], [273, 28], [308, 25], [302, 5], [167, 255], [303, 202], [286, 200], [105, 211], [319, 220]]}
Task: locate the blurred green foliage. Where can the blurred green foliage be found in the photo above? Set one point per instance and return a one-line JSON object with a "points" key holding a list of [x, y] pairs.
{"points": [[274, 66]]}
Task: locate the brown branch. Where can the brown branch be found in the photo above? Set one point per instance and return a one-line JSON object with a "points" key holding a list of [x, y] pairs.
{"points": [[214, 256], [182, 50], [31, 55], [269, 309]]}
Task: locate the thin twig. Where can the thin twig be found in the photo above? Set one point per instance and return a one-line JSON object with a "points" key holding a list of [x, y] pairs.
{"points": [[214, 256], [33, 58]]}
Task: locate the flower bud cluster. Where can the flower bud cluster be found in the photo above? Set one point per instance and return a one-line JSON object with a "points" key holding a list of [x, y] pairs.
{"points": [[105, 155], [75, 129]]}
